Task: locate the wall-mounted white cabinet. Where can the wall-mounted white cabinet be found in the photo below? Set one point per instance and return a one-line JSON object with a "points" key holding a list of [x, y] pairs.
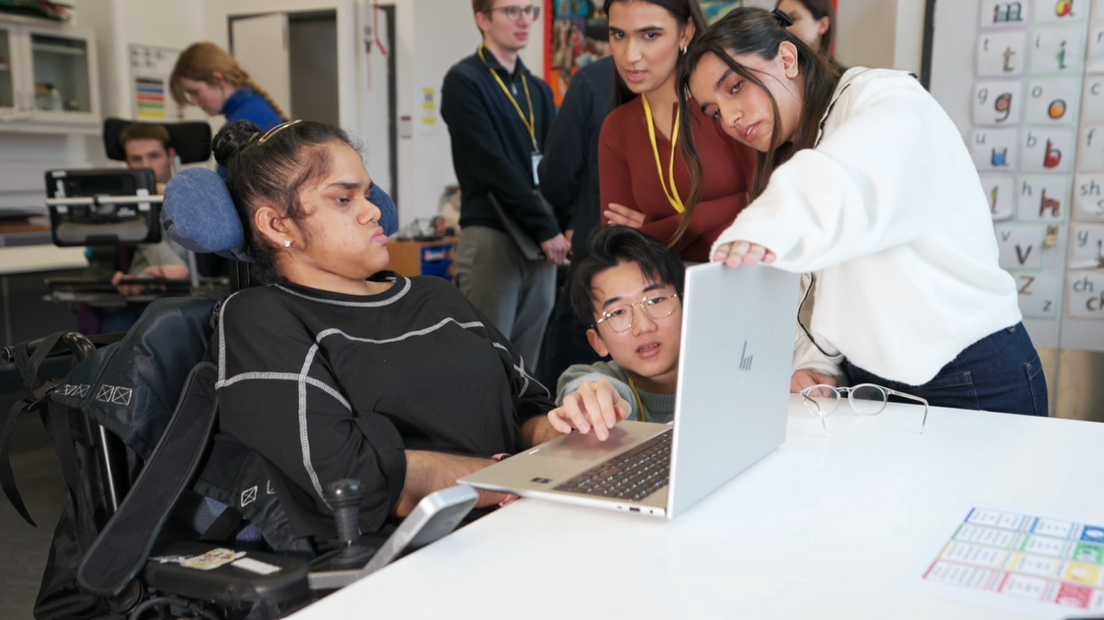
{"points": [[48, 79]]}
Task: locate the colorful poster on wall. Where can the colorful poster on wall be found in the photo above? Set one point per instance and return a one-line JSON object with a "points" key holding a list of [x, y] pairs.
{"points": [[150, 68], [150, 98], [716, 9], [579, 35]]}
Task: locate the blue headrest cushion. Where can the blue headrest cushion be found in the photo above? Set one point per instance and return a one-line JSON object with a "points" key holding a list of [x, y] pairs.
{"points": [[389, 214], [199, 214]]}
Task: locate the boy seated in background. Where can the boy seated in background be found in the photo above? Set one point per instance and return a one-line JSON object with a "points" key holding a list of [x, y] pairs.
{"points": [[629, 290]]}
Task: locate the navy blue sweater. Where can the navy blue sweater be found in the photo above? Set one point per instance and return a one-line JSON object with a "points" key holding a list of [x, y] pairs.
{"points": [[491, 148], [569, 172]]}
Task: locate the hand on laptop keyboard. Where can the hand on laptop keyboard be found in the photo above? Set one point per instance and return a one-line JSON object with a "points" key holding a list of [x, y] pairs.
{"points": [[595, 405]]}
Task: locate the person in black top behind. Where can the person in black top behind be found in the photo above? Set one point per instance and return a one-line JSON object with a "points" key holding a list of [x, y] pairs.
{"points": [[570, 174], [339, 369], [498, 114]]}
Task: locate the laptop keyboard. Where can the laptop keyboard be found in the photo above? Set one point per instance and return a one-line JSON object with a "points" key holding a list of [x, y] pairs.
{"points": [[632, 476]]}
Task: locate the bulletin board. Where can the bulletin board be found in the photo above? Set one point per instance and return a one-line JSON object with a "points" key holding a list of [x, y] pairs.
{"points": [[577, 35], [1028, 95], [150, 69]]}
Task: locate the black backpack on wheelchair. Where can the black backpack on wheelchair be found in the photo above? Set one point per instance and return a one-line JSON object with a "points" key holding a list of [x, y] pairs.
{"points": [[164, 515]]}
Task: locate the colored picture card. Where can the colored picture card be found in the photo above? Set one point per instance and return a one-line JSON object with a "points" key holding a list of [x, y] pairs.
{"points": [[1058, 49], [1004, 13], [1039, 293], [1020, 562], [1043, 198], [1000, 191], [1030, 246], [1092, 108], [1091, 148], [1088, 198], [995, 150], [998, 103], [1061, 11], [1001, 54], [1053, 100], [1086, 246], [1085, 292], [1048, 149], [1095, 61]]}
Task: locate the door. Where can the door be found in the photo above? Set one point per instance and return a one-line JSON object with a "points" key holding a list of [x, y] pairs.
{"points": [[260, 45], [314, 66], [7, 64], [378, 114]]}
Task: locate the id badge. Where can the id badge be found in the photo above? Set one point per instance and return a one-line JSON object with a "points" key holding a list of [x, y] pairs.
{"points": [[536, 159]]}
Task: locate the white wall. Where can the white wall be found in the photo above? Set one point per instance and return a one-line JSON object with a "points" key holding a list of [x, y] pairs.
{"points": [[881, 33], [432, 36]]}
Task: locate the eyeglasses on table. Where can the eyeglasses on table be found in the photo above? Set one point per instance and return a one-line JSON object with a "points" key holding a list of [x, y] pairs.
{"points": [[866, 399]]}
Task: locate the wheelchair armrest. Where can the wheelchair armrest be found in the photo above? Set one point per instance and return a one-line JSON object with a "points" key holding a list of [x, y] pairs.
{"points": [[71, 343], [178, 569]]}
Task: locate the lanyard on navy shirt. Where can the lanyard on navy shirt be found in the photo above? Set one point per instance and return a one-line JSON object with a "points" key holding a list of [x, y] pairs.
{"points": [[531, 122]]}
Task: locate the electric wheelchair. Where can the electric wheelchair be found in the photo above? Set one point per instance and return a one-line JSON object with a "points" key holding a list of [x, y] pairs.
{"points": [[165, 516]]}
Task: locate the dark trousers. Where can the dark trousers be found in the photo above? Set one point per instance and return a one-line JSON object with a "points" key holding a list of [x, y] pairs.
{"points": [[1000, 372]]}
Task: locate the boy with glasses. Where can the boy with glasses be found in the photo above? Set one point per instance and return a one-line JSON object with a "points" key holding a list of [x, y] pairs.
{"points": [[498, 114], [629, 290]]}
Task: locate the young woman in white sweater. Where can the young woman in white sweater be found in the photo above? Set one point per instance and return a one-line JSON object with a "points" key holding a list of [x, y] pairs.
{"points": [[864, 182]]}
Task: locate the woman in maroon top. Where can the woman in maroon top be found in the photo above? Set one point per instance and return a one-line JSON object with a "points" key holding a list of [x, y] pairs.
{"points": [[640, 185]]}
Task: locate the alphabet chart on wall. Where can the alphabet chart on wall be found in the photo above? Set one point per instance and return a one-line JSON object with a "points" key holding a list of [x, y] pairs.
{"points": [[1037, 139]]}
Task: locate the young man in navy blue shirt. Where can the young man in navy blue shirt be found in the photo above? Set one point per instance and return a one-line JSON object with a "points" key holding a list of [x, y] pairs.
{"points": [[498, 114]]}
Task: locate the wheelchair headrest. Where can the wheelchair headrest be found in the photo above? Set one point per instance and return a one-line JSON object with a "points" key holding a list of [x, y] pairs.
{"points": [[199, 214], [191, 139]]}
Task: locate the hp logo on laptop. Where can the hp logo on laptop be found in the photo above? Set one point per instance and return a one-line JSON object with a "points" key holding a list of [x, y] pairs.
{"points": [[745, 359]]}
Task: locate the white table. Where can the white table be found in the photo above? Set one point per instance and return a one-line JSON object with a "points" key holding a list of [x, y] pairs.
{"points": [[823, 528], [32, 258]]}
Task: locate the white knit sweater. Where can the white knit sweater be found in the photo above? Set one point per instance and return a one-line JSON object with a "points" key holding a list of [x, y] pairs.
{"points": [[890, 215]]}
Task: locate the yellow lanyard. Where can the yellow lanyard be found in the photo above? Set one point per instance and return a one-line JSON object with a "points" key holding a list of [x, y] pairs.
{"points": [[639, 403], [531, 122], [672, 195]]}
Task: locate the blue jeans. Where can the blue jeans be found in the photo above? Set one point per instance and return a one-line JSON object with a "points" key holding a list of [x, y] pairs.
{"points": [[1001, 372]]}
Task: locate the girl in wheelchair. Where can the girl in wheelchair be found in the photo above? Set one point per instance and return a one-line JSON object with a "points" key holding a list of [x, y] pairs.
{"points": [[337, 368]]}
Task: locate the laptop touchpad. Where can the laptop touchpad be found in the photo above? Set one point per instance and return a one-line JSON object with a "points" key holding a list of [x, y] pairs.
{"points": [[578, 446]]}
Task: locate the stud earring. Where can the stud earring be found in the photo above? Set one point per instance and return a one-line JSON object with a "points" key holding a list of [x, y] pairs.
{"points": [[287, 243]]}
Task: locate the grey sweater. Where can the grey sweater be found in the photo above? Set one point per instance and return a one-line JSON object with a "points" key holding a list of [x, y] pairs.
{"points": [[659, 407]]}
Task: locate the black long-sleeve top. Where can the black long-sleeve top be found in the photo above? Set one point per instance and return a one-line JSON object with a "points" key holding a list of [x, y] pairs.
{"points": [[491, 148], [327, 386], [569, 171]]}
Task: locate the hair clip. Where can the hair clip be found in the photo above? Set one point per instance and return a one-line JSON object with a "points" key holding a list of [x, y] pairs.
{"points": [[277, 129], [782, 18], [254, 136]]}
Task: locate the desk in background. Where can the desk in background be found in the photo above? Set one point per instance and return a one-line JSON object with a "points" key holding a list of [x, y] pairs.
{"points": [[423, 258], [27, 257], [824, 528]]}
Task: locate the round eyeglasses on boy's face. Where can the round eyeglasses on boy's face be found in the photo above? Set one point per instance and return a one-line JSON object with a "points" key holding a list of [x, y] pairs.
{"points": [[657, 306], [513, 13]]}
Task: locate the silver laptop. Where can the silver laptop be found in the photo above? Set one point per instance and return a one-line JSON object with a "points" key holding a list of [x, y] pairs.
{"points": [[730, 408]]}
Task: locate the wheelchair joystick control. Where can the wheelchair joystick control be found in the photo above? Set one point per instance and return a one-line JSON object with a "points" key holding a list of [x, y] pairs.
{"points": [[344, 497]]}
